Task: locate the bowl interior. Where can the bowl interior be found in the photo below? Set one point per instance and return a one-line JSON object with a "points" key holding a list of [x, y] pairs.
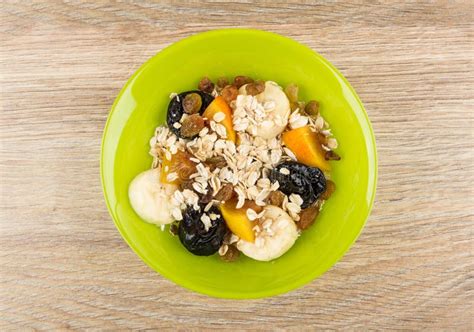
{"points": [[141, 106]]}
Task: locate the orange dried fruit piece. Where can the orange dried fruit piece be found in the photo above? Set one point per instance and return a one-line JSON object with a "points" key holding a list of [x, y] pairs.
{"points": [[219, 105], [237, 220], [178, 169], [304, 143]]}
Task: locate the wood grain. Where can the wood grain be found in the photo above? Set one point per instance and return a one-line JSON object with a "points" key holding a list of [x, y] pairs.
{"points": [[63, 265]]}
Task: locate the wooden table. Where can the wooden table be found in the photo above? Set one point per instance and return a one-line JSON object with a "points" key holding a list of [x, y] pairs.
{"points": [[64, 265]]}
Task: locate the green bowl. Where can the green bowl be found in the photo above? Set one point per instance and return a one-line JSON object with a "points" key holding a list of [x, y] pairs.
{"points": [[141, 106]]}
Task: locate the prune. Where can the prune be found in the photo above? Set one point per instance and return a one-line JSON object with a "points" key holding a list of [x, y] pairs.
{"points": [[308, 182], [194, 236], [176, 109]]}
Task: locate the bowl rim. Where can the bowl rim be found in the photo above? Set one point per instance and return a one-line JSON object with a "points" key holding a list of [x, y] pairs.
{"points": [[369, 139]]}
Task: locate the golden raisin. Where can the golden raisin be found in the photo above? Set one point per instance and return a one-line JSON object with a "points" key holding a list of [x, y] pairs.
{"points": [[231, 255], [255, 88], [330, 188], [229, 93], [312, 108], [225, 193], [308, 216], [291, 91], [276, 198], [242, 80], [192, 125], [192, 103], [206, 85], [216, 162]]}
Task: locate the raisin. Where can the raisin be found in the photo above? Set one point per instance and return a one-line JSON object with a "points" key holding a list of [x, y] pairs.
{"points": [[229, 93], [276, 198], [312, 108], [330, 188], [192, 125], [231, 254], [222, 82], [242, 80], [216, 162], [308, 216], [225, 193], [291, 91], [331, 155], [255, 88], [206, 85], [192, 103], [206, 198], [186, 185]]}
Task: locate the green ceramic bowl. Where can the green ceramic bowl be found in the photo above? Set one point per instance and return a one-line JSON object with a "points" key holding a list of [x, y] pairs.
{"points": [[141, 106]]}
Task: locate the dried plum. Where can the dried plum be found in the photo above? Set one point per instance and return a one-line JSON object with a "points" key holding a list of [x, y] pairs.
{"points": [[308, 182], [194, 236], [176, 109]]}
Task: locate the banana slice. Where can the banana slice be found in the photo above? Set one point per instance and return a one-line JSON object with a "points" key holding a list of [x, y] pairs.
{"points": [[277, 110], [277, 237], [150, 198]]}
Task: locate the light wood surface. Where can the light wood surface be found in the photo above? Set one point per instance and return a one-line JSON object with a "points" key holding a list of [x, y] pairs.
{"points": [[64, 265]]}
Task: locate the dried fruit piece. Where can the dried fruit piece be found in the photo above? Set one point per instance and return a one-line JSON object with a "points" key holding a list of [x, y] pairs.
{"points": [[176, 109], [192, 103], [222, 82], [193, 233], [255, 88], [206, 198], [206, 85], [242, 80], [308, 216], [216, 162], [330, 188], [312, 108], [192, 125], [174, 229], [180, 164], [237, 220], [220, 105], [331, 155], [225, 193], [291, 91], [276, 198], [229, 93], [186, 185], [305, 145], [296, 178], [231, 255]]}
